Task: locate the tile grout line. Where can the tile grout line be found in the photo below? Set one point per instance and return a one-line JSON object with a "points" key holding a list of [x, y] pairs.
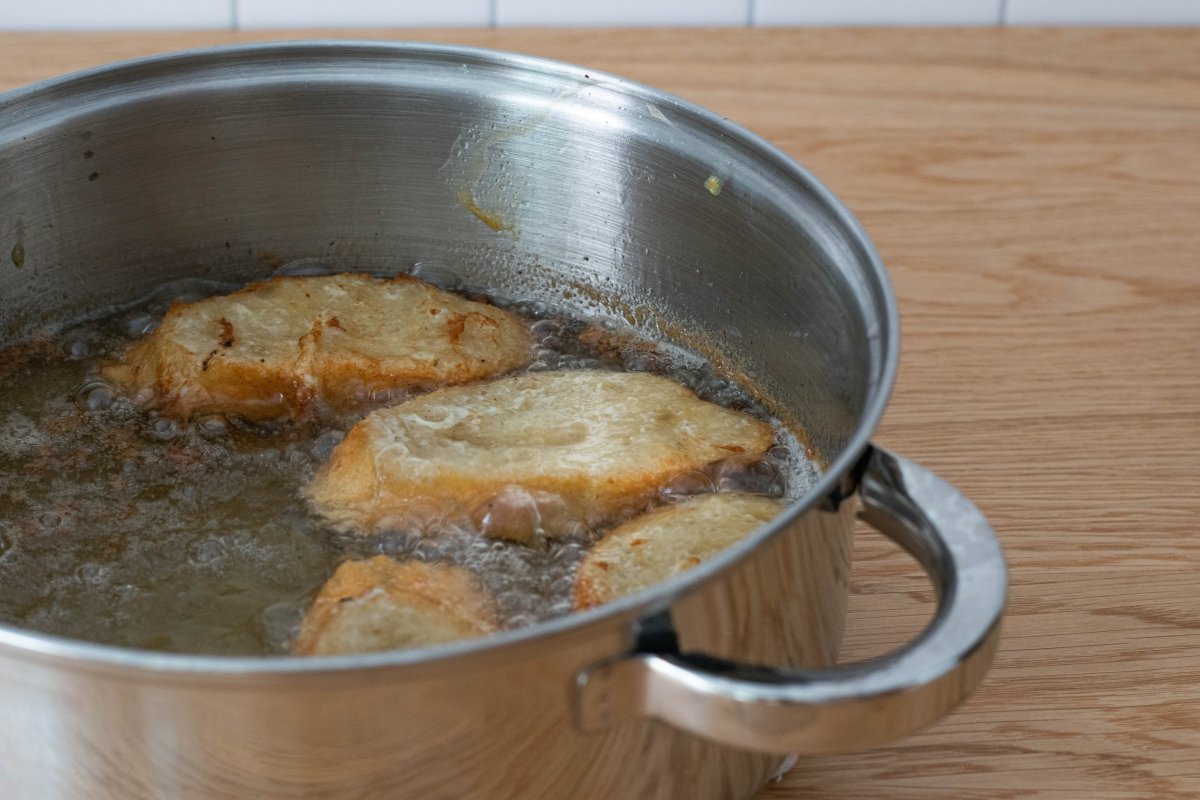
{"points": [[233, 15], [1002, 21], [750, 9], [491, 13]]}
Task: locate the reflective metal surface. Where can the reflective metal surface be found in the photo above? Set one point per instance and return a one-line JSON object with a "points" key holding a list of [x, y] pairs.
{"points": [[488, 170]]}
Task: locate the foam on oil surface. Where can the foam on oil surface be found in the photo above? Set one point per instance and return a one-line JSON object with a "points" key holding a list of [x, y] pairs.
{"points": [[124, 527]]}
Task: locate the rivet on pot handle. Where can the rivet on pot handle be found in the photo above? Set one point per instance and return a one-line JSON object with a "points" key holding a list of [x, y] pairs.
{"points": [[841, 708]]}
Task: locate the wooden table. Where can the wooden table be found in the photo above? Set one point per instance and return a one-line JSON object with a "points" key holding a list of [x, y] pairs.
{"points": [[1036, 195]]}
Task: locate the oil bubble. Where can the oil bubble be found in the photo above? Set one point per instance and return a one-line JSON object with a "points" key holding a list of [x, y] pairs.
{"points": [[683, 374], [561, 607], [207, 552], [547, 331], [94, 395], [762, 477], [138, 325], [723, 392], [214, 426], [521, 620], [279, 623], [562, 586], [568, 554], [642, 361], [547, 355], [686, 484], [431, 549], [163, 429], [534, 309], [439, 275], [779, 453], [96, 574], [305, 268], [77, 348]]}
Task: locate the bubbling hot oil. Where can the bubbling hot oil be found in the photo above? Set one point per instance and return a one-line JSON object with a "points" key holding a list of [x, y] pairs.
{"points": [[124, 527]]}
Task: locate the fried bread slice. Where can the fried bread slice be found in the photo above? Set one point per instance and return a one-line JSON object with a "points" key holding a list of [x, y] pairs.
{"points": [[284, 346], [669, 540], [381, 604], [603, 442]]}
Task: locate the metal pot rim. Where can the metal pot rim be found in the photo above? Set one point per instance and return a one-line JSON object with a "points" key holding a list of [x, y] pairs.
{"points": [[502, 645]]}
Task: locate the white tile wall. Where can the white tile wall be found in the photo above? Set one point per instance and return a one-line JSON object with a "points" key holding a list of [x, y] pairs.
{"points": [[118, 14], [622, 12], [877, 12], [1103, 12], [110, 14], [361, 13]]}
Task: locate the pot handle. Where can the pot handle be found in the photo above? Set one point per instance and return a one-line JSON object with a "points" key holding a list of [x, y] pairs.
{"points": [[847, 707]]}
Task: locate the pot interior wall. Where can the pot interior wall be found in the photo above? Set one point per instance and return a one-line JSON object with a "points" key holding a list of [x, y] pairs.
{"points": [[493, 172]]}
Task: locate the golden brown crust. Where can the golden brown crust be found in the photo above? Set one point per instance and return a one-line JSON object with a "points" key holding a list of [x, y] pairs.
{"points": [[381, 604], [665, 542], [602, 441], [287, 345]]}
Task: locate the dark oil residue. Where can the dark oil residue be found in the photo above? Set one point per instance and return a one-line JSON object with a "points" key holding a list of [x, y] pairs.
{"points": [[121, 526]]}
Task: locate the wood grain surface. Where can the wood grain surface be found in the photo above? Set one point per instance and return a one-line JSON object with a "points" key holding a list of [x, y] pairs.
{"points": [[1036, 196]]}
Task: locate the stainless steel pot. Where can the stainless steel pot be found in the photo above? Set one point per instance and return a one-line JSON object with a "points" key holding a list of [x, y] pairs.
{"points": [[528, 177]]}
